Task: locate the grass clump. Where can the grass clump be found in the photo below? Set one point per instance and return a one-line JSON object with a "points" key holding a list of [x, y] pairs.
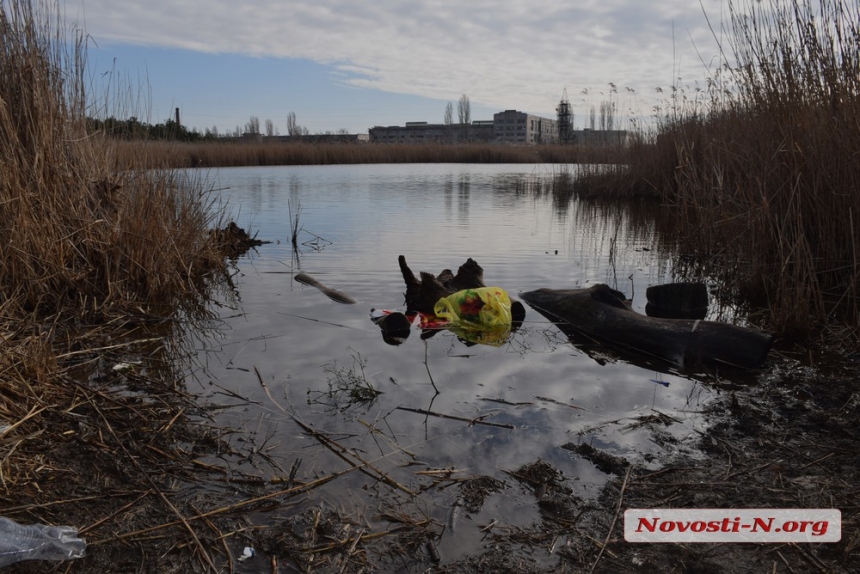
{"points": [[347, 387], [762, 167]]}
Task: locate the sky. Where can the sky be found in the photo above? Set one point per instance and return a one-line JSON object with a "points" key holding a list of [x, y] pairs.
{"points": [[354, 64]]}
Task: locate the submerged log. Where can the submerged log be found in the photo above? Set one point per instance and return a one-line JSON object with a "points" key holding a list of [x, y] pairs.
{"points": [[677, 301], [603, 314]]}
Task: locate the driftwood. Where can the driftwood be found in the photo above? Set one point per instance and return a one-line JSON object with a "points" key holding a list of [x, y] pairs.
{"points": [[603, 315], [421, 296], [234, 241], [332, 294]]}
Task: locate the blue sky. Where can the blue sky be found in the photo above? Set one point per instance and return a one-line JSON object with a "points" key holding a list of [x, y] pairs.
{"points": [[341, 64]]}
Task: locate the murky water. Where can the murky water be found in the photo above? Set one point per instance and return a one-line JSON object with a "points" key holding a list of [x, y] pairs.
{"points": [[288, 349]]}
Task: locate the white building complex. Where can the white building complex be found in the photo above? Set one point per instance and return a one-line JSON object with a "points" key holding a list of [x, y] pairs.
{"points": [[509, 126]]}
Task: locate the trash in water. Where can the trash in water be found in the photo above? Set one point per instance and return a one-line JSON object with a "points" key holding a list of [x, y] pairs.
{"points": [[481, 315], [394, 324], [19, 542], [481, 308]]}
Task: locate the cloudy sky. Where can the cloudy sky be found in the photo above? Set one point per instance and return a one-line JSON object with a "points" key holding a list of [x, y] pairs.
{"points": [[353, 64]]}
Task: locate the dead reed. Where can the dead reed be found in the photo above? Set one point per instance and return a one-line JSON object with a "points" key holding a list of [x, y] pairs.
{"points": [[761, 168], [233, 153], [83, 234], [102, 260]]}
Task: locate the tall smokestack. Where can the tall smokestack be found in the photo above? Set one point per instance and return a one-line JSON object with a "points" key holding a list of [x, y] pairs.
{"points": [[178, 123]]}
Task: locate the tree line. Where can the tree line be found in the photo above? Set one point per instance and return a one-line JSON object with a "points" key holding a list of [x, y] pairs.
{"points": [[133, 128]]}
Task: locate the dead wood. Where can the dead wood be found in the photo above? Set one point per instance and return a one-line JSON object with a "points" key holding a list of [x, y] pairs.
{"points": [[602, 314], [333, 294], [421, 296]]}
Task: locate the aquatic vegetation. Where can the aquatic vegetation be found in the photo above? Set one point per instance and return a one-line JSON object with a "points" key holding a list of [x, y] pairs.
{"points": [[85, 234], [347, 386]]}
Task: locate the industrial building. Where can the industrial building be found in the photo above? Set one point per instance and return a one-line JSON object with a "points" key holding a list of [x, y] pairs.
{"points": [[519, 127], [509, 126], [422, 132]]}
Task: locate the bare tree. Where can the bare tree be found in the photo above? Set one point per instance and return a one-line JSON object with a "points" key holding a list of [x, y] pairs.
{"points": [[270, 128], [592, 115], [464, 110], [293, 128], [449, 114], [253, 125]]}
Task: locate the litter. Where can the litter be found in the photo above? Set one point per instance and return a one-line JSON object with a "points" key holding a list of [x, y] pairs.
{"points": [[19, 542], [481, 315], [478, 309], [247, 553]]}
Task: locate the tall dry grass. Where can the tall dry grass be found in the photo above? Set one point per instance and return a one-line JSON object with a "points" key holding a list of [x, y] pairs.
{"points": [[85, 232], [95, 249], [228, 154], [762, 169]]}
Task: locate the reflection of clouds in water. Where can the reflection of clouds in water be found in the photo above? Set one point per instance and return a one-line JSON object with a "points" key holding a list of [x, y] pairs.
{"points": [[437, 216], [296, 350]]}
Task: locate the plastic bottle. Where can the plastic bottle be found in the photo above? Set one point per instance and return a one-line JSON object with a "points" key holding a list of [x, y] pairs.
{"points": [[19, 542]]}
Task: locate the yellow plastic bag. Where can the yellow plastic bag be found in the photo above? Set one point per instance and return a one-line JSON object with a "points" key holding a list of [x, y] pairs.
{"points": [[481, 309]]}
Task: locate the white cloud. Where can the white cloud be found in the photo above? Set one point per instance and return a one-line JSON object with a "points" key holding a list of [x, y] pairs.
{"points": [[500, 52]]}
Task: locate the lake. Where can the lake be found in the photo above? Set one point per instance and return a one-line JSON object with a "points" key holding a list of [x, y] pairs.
{"points": [[285, 352]]}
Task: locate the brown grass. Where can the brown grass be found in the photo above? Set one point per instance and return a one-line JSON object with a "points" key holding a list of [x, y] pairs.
{"points": [[762, 168], [82, 232], [233, 153], [101, 261]]}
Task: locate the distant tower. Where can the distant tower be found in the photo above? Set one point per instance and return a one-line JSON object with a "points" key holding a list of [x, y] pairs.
{"points": [[179, 124], [565, 119]]}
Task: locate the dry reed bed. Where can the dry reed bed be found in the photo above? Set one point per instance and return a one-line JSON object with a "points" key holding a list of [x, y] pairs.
{"points": [[103, 260], [229, 154], [761, 169]]}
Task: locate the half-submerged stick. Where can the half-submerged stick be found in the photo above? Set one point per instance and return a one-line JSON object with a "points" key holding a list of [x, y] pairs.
{"points": [[475, 421], [344, 453]]}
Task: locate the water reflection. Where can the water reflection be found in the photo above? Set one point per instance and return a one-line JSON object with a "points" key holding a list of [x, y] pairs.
{"points": [[291, 353]]}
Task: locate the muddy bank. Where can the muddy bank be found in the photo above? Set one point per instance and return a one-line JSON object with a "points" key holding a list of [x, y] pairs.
{"points": [[787, 441]]}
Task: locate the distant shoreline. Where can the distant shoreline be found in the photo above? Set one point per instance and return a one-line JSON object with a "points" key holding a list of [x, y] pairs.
{"points": [[162, 154]]}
